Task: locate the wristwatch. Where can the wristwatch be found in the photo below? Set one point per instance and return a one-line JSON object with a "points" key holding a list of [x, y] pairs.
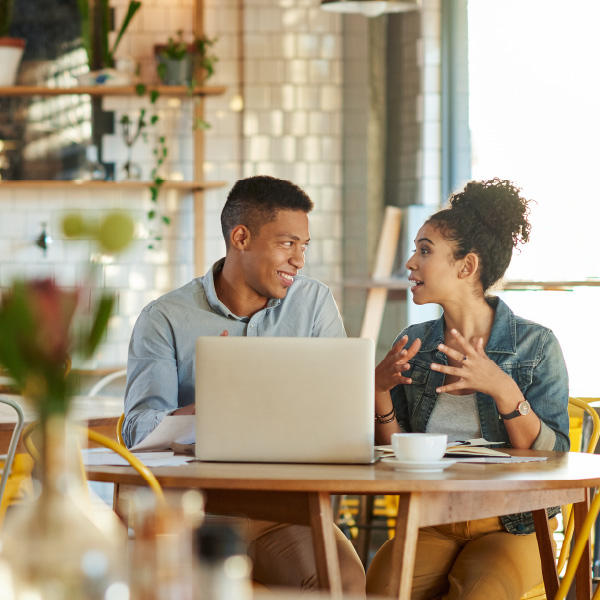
{"points": [[522, 409]]}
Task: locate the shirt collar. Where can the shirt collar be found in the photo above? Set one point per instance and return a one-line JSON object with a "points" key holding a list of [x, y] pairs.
{"points": [[208, 281], [503, 337]]}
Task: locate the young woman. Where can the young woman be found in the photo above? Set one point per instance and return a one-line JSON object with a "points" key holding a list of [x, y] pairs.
{"points": [[477, 371]]}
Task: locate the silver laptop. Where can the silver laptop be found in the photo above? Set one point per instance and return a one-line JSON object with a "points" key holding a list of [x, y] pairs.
{"points": [[291, 400]]}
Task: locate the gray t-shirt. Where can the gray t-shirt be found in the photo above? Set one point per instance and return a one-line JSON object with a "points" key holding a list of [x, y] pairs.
{"points": [[457, 416]]}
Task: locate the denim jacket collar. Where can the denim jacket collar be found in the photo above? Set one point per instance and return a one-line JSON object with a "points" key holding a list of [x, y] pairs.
{"points": [[503, 337]]}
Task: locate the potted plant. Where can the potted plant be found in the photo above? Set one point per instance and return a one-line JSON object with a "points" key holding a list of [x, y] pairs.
{"points": [[174, 61], [179, 62], [11, 49]]}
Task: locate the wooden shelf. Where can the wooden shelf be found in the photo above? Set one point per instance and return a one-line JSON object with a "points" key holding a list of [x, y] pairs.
{"points": [[110, 90], [192, 186], [404, 284]]}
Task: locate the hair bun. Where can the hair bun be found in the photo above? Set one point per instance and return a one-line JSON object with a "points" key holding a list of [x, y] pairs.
{"points": [[498, 205]]}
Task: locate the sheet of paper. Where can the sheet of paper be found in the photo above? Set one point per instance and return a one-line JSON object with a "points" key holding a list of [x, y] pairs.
{"points": [[498, 461], [150, 459], [180, 429]]}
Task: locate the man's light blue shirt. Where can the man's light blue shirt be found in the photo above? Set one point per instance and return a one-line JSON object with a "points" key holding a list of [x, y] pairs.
{"points": [[162, 350]]}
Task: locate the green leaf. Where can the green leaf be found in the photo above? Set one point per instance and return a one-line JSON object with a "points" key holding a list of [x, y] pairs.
{"points": [[140, 89], [105, 54], [131, 10], [201, 124], [151, 214], [84, 11], [99, 326], [154, 119], [166, 220], [154, 95]]}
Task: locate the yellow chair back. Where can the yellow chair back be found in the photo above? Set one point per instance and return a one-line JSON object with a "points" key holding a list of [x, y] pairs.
{"points": [[577, 408], [103, 440]]}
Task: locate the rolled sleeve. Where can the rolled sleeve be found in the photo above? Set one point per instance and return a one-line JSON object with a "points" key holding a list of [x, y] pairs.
{"points": [[546, 439], [152, 383]]}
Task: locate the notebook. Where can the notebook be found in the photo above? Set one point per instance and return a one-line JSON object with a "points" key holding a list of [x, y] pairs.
{"points": [[290, 400]]}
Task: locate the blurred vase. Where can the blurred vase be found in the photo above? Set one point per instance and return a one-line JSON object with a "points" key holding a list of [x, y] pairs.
{"points": [[11, 52], [58, 546]]}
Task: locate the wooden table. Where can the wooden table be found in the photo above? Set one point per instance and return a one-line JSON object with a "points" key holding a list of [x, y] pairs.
{"points": [[301, 494], [100, 413]]}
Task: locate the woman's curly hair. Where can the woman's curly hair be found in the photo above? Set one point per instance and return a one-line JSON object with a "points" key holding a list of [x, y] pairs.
{"points": [[488, 218]]}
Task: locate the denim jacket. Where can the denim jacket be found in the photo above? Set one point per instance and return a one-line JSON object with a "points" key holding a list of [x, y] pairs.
{"points": [[528, 352]]}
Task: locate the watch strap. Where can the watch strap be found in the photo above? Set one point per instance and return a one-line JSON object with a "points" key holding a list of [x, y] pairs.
{"points": [[510, 415]]}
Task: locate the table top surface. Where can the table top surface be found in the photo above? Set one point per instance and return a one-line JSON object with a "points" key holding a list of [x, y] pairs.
{"points": [[96, 410], [561, 470]]}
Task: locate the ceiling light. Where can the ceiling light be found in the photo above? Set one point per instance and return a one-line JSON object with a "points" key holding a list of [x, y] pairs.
{"points": [[369, 8]]}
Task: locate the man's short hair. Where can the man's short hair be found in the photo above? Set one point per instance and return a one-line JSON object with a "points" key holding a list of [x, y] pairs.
{"points": [[255, 201]]}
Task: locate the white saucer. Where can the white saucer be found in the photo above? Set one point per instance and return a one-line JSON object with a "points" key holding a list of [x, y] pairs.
{"points": [[432, 466]]}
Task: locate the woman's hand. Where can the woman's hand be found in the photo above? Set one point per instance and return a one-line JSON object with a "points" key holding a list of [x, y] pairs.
{"points": [[476, 371], [388, 372]]}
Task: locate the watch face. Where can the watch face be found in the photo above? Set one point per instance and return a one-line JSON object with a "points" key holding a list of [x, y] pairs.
{"points": [[524, 407]]}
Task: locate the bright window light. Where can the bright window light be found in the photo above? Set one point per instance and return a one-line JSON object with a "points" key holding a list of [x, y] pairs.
{"points": [[534, 70]]}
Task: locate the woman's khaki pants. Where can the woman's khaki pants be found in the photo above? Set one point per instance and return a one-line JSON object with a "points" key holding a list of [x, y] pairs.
{"points": [[472, 560]]}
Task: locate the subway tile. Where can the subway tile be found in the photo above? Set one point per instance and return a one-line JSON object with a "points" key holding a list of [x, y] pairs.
{"points": [[308, 97], [296, 71], [307, 45], [271, 71], [284, 97], [284, 45]]}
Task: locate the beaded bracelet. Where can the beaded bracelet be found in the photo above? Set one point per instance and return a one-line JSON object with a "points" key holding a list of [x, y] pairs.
{"points": [[382, 419]]}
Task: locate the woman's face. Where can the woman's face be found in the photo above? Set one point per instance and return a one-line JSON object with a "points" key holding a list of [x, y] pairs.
{"points": [[434, 272]]}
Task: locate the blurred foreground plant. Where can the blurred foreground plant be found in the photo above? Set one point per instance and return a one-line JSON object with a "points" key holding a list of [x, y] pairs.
{"points": [[44, 325]]}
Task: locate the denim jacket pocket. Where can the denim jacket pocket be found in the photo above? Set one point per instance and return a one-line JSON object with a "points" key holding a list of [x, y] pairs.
{"points": [[522, 374]]}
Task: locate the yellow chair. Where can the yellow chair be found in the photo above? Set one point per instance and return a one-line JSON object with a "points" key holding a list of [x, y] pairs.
{"points": [[103, 440], [577, 407], [120, 430]]}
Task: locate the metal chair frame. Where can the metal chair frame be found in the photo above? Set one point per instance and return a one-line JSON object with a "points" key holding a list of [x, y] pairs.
{"points": [[14, 440]]}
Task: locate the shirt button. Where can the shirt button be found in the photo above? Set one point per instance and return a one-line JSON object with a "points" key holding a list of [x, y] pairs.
{"points": [[521, 527], [251, 326]]}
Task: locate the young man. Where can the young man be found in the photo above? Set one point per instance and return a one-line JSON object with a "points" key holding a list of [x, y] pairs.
{"points": [[254, 291]]}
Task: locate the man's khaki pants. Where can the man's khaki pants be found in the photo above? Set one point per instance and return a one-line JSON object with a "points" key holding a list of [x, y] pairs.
{"points": [[283, 556]]}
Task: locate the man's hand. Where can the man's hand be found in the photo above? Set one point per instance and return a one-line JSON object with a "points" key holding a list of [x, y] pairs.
{"points": [[190, 409]]}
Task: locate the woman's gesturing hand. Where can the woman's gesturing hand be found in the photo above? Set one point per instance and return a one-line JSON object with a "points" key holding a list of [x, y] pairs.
{"points": [[476, 370], [388, 372]]}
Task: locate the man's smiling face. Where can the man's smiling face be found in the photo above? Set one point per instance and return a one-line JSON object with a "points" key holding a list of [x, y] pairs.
{"points": [[273, 258]]}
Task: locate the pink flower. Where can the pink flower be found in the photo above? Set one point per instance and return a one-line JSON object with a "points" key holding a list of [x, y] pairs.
{"points": [[52, 309]]}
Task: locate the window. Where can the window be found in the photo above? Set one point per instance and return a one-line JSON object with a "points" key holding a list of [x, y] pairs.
{"points": [[534, 71]]}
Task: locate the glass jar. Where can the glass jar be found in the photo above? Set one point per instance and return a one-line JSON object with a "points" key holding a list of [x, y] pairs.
{"points": [[58, 546]]}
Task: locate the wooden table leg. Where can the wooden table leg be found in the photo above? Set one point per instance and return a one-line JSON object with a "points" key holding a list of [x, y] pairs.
{"points": [[405, 545], [326, 554], [583, 576], [547, 557]]}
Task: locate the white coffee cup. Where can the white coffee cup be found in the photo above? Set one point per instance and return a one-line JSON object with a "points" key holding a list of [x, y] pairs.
{"points": [[419, 447]]}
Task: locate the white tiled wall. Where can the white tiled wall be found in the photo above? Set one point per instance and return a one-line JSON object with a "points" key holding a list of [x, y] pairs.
{"points": [[284, 61]]}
